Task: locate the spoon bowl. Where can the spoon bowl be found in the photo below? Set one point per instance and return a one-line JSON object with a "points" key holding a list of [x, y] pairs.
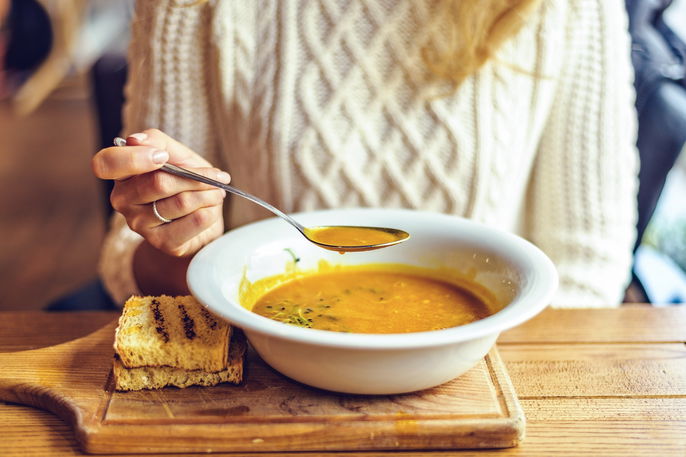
{"points": [[351, 238], [341, 238]]}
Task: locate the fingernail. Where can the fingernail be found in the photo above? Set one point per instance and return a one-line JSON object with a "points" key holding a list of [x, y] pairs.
{"points": [[140, 137], [160, 156], [224, 177]]}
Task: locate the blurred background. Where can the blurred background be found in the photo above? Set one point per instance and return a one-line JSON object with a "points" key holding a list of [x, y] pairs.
{"points": [[62, 69]]}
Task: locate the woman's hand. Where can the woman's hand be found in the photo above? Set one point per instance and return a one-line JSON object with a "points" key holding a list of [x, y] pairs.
{"points": [[195, 209]]}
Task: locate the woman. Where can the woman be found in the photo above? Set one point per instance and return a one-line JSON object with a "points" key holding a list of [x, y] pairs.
{"points": [[513, 113]]}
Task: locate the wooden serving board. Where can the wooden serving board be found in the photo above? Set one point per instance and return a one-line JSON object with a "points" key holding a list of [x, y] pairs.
{"points": [[268, 412]]}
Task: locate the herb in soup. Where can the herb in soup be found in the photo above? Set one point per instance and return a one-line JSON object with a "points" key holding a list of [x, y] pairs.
{"points": [[371, 302]]}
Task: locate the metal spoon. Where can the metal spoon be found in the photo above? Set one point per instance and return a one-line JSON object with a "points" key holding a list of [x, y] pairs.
{"points": [[339, 238]]}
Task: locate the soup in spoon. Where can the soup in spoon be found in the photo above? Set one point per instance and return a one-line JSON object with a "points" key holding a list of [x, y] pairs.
{"points": [[344, 238]]}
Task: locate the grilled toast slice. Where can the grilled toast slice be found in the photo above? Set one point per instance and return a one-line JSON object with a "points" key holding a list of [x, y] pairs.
{"points": [[174, 332]]}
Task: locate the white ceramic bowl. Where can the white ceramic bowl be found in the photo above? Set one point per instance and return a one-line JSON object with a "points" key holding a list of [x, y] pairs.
{"points": [[520, 276]]}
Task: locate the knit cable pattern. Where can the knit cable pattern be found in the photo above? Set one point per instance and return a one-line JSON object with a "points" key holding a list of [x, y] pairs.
{"points": [[321, 103]]}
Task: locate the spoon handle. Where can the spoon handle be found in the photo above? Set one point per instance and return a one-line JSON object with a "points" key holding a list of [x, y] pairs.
{"points": [[182, 172]]}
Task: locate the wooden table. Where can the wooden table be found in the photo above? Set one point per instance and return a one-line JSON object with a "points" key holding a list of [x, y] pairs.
{"points": [[604, 382]]}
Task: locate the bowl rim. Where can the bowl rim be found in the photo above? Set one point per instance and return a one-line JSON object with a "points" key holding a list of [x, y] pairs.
{"points": [[521, 309]]}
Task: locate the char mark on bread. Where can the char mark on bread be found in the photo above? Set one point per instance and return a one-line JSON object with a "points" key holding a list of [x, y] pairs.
{"points": [[210, 321], [188, 323], [161, 326]]}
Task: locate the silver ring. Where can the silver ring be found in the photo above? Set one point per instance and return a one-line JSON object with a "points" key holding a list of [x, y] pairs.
{"points": [[162, 219]]}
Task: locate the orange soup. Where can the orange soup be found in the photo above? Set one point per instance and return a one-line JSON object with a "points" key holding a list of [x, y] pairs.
{"points": [[371, 301], [351, 235]]}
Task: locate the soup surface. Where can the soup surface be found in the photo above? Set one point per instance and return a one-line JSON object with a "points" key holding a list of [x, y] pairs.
{"points": [[371, 302]]}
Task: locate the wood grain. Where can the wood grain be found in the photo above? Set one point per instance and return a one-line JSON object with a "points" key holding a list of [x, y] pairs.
{"points": [[267, 413], [606, 420], [33, 432], [634, 409], [20, 331], [631, 323], [624, 370]]}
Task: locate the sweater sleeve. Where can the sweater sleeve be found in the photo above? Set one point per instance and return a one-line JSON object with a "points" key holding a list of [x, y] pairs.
{"points": [[167, 89], [583, 209]]}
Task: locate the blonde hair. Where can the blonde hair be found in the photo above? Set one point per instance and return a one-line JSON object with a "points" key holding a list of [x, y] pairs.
{"points": [[478, 28]]}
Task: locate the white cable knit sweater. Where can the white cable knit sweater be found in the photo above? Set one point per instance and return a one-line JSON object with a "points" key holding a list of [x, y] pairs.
{"points": [[314, 104]]}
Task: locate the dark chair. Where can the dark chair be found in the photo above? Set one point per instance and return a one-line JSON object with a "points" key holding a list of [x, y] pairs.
{"points": [[108, 77], [659, 59]]}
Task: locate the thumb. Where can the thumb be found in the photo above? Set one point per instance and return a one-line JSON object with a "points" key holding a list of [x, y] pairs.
{"points": [[179, 153]]}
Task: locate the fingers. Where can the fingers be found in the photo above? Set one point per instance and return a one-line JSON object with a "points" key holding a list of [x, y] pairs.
{"points": [[193, 214], [179, 154], [145, 152], [185, 203], [194, 208], [124, 162], [147, 188], [187, 234]]}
